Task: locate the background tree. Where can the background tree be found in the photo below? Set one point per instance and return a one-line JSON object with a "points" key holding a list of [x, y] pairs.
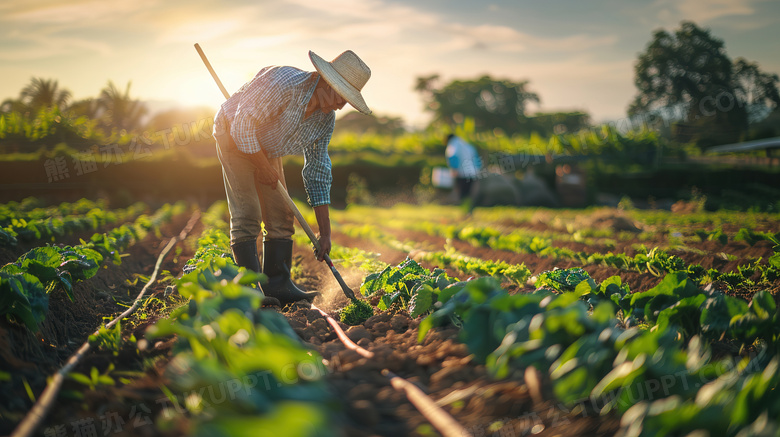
{"points": [[492, 103], [38, 94], [686, 77], [85, 108], [758, 90], [118, 109], [181, 118], [354, 121], [551, 123]]}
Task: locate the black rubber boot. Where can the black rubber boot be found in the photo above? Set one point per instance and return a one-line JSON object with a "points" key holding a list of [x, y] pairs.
{"points": [[277, 260], [245, 254]]}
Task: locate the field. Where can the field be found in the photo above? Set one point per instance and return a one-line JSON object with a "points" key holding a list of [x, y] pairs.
{"points": [[514, 321]]}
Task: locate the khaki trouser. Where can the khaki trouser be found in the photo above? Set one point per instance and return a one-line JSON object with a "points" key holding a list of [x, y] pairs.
{"points": [[250, 201]]}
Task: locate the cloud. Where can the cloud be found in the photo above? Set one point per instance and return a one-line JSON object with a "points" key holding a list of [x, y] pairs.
{"points": [[671, 12], [89, 12], [30, 46], [378, 20], [200, 30], [40, 30], [508, 40]]}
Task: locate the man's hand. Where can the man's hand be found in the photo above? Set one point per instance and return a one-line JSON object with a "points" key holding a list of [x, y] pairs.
{"points": [[323, 222], [324, 247], [264, 173]]}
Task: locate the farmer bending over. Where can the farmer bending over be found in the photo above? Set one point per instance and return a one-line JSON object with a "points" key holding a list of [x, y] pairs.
{"points": [[282, 111]]}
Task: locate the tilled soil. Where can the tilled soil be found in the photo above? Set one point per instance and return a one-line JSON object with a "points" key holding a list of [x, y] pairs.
{"points": [[440, 365], [443, 368]]}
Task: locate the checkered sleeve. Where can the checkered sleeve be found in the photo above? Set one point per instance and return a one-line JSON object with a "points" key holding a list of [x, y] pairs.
{"points": [[316, 172]]}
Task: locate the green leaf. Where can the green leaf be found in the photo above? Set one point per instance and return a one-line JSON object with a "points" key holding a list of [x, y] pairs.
{"points": [[451, 290], [621, 376], [717, 313], [603, 313], [66, 282], [293, 418], [685, 315], [673, 288], [357, 312], [763, 305], [425, 326], [80, 378], [250, 277], [43, 272], [47, 256], [421, 301], [774, 260], [481, 340], [105, 380], [385, 302], [23, 297], [745, 235]]}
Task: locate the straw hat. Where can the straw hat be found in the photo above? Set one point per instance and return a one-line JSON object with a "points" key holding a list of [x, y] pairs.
{"points": [[347, 74]]}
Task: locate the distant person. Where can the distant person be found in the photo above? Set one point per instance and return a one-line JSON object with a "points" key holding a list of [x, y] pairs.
{"points": [[464, 162]]}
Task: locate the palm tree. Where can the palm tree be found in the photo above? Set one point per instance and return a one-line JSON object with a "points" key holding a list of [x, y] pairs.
{"points": [[88, 107], [119, 109], [41, 93], [38, 94]]}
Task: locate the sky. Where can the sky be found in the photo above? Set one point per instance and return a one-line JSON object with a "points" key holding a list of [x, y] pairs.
{"points": [[576, 55]]}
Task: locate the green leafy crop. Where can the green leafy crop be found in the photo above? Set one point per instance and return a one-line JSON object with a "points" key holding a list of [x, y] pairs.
{"points": [[408, 285], [661, 382], [357, 312], [562, 279]]}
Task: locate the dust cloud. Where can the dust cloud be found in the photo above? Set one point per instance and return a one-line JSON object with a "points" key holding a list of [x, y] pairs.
{"points": [[331, 296]]}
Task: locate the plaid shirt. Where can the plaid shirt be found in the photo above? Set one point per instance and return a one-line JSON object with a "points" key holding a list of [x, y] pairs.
{"points": [[267, 114]]}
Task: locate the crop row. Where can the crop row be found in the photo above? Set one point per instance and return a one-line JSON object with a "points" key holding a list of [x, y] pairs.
{"points": [[25, 284], [654, 261], [228, 346], [572, 226], [50, 227], [517, 273], [676, 302], [656, 219], [33, 208]]}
